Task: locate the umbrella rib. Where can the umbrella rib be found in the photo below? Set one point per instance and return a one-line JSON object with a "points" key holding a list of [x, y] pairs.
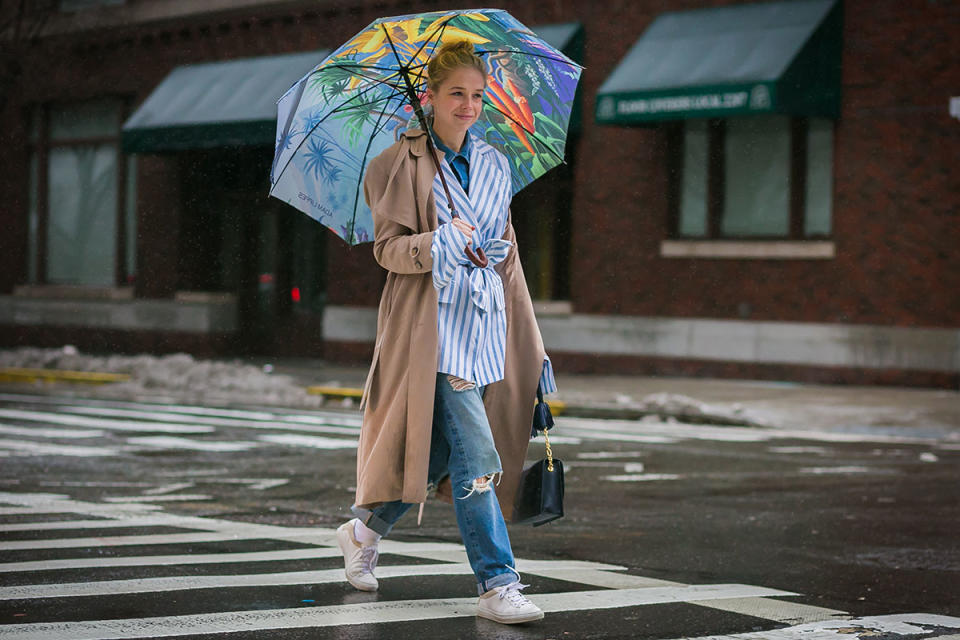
{"points": [[427, 40], [369, 77], [344, 65], [363, 164], [532, 133], [530, 53]]}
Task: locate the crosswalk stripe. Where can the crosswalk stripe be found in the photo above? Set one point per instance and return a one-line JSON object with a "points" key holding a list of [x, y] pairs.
{"points": [[145, 521], [325, 576], [168, 560], [40, 432], [327, 416], [172, 442], [452, 556], [102, 423], [363, 613], [907, 625], [297, 423], [775, 610], [26, 447], [241, 533], [315, 442]]}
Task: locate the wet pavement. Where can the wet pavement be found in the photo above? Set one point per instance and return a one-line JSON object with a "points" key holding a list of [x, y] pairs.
{"points": [[838, 519]]}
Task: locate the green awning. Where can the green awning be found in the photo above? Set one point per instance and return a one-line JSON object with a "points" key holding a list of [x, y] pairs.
{"points": [[216, 104], [774, 57], [567, 37]]}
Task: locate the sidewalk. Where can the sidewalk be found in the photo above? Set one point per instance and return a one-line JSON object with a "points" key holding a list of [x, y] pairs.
{"points": [[288, 381], [760, 403]]}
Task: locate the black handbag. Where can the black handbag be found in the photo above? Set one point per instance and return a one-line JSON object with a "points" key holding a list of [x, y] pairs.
{"points": [[540, 494]]}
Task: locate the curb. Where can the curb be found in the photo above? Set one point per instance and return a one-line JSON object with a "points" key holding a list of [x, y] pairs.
{"points": [[16, 374], [557, 407]]}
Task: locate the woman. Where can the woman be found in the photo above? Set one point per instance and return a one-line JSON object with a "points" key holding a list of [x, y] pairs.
{"points": [[449, 398]]}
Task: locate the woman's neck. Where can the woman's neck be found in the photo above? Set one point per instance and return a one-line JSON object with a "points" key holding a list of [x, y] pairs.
{"points": [[452, 140]]}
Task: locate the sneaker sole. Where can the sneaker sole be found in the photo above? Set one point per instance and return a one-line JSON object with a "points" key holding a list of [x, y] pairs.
{"points": [[489, 615], [343, 549]]}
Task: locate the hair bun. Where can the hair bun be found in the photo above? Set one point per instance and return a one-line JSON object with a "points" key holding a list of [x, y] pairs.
{"points": [[451, 55], [459, 47]]}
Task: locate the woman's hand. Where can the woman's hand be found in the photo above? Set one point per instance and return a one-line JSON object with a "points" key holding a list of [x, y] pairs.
{"points": [[463, 227]]}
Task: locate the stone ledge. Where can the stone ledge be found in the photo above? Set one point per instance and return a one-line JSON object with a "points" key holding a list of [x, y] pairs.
{"points": [[749, 249], [740, 341], [219, 316]]}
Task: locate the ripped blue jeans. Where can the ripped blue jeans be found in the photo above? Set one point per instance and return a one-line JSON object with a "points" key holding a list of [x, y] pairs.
{"points": [[462, 446]]}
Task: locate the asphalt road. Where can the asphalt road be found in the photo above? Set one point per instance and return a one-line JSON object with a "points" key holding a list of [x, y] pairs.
{"points": [[134, 520]]}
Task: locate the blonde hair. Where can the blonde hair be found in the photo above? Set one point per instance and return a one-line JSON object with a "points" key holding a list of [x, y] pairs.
{"points": [[450, 56]]}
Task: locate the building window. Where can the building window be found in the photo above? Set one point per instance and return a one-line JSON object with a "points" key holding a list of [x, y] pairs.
{"points": [[760, 177], [82, 196]]}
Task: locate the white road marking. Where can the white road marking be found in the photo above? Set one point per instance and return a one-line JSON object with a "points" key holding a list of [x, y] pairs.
{"points": [[102, 423], [777, 610], [25, 448], [642, 477], [40, 432], [171, 442], [321, 425], [636, 431], [168, 560], [168, 488], [325, 576], [586, 573], [146, 406], [116, 541], [59, 525], [315, 442], [566, 440], [817, 450], [832, 470], [603, 455], [363, 613], [907, 624], [182, 497]]}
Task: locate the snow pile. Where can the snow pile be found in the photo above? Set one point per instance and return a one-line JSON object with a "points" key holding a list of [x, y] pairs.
{"points": [[179, 377], [685, 408]]}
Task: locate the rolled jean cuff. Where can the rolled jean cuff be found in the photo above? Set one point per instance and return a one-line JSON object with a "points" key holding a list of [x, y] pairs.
{"points": [[499, 580], [367, 517]]}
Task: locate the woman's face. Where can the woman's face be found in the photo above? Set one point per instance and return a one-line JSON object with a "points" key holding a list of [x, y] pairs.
{"points": [[457, 102]]}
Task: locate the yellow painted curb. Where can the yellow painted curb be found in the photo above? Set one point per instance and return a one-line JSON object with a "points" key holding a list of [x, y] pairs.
{"points": [[16, 374], [557, 407], [340, 392]]}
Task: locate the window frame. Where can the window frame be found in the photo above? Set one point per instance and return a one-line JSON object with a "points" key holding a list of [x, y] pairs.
{"points": [[39, 147], [715, 167]]}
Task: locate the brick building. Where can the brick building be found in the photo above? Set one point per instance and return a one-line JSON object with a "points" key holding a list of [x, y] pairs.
{"points": [[760, 190]]}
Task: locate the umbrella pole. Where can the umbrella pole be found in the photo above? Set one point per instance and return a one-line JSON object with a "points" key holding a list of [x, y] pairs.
{"points": [[478, 258]]}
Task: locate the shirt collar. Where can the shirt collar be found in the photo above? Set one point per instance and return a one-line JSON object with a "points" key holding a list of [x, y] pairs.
{"points": [[449, 154]]}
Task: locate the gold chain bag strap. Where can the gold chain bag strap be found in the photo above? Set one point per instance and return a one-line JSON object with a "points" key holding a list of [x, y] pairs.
{"points": [[540, 494]]}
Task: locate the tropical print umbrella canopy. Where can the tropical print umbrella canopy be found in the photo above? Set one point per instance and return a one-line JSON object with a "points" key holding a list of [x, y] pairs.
{"points": [[356, 103]]}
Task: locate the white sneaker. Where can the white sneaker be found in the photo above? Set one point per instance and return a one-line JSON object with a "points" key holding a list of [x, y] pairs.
{"points": [[507, 605], [359, 561]]}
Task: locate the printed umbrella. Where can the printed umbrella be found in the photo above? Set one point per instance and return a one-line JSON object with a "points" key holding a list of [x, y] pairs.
{"points": [[355, 104]]}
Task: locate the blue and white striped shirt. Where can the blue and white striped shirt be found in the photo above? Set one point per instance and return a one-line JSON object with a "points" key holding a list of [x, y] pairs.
{"points": [[472, 321]]}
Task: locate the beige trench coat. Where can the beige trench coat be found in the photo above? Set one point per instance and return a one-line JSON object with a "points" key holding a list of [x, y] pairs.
{"points": [[394, 451]]}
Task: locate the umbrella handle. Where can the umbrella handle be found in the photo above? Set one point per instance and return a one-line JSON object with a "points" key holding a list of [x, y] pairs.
{"points": [[478, 258]]}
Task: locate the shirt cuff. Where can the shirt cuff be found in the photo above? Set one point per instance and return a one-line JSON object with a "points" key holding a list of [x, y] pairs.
{"points": [[443, 250], [548, 384]]}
